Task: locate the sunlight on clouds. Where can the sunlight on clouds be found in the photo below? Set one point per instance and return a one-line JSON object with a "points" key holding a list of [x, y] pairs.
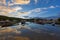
{"points": [[37, 10], [3, 13], [3, 1], [16, 14], [6, 11], [22, 13], [13, 12], [9, 30], [22, 1], [18, 8]]}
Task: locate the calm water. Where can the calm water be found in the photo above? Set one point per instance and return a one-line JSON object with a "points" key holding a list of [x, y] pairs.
{"points": [[32, 31]]}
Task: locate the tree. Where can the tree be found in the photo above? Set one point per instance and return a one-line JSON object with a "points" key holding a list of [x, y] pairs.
{"points": [[59, 19]]}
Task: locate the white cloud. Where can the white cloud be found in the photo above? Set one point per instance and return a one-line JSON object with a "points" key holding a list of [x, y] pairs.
{"points": [[36, 1], [43, 12], [52, 7], [21, 14], [45, 8], [37, 10], [10, 4], [18, 8], [12, 0]]}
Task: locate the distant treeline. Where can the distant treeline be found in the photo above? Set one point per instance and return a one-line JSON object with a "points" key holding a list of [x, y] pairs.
{"points": [[44, 21], [35, 20], [3, 18]]}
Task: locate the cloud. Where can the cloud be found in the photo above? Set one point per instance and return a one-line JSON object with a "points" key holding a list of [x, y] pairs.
{"points": [[16, 14], [3, 1], [21, 1], [21, 14], [7, 10], [17, 8], [37, 10], [10, 30], [18, 2], [57, 6], [52, 7], [13, 12], [44, 8], [36, 1]]}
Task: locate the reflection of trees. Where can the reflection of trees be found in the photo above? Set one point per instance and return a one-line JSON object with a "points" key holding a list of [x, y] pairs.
{"points": [[57, 21], [51, 19], [8, 21]]}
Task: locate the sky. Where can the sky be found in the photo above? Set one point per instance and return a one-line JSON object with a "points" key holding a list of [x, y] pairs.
{"points": [[30, 8]]}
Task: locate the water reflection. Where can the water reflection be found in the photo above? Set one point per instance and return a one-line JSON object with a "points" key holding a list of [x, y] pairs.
{"points": [[30, 31]]}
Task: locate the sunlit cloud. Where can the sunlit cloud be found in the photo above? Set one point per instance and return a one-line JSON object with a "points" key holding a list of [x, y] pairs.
{"points": [[7, 10], [3, 1], [9, 30], [18, 2], [37, 10], [17, 8], [22, 14], [21, 1], [16, 14]]}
